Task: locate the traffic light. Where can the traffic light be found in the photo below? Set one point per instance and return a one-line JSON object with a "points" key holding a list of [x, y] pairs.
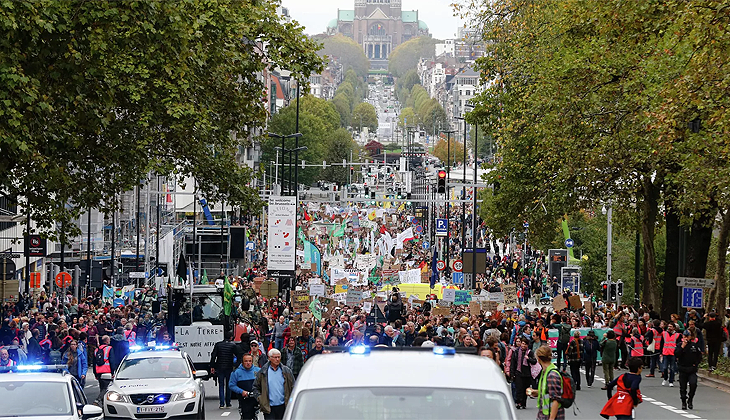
{"points": [[604, 291], [367, 190], [372, 195], [620, 286], [441, 187], [613, 292], [352, 170], [408, 196]]}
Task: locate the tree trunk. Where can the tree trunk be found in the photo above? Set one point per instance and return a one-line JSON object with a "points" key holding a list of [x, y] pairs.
{"points": [[649, 210], [698, 246], [671, 269], [718, 295]]}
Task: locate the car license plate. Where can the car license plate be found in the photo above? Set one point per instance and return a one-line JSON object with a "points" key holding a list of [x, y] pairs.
{"points": [[150, 410]]}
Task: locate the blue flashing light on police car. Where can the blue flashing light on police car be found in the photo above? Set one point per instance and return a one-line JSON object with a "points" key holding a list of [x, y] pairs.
{"points": [[359, 350], [444, 351]]}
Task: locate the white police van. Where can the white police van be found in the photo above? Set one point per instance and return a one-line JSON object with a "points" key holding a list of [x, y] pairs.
{"points": [[43, 392], [400, 383], [155, 383]]}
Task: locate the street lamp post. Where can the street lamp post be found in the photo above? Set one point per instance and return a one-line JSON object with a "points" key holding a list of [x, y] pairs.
{"points": [[283, 151], [463, 191], [448, 204], [474, 207]]}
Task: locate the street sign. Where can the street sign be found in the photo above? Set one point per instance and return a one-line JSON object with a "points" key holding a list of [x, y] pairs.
{"points": [[457, 278], [137, 275], [458, 265], [426, 244], [250, 246], [414, 221], [442, 227], [692, 297], [526, 225], [695, 282], [63, 279], [569, 243], [419, 229], [35, 246], [440, 265], [8, 255]]}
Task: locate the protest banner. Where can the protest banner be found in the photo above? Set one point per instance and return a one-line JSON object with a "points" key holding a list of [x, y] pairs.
{"points": [[353, 297], [496, 297], [490, 306], [316, 289], [449, 295], [474, 308], [441, 311]]}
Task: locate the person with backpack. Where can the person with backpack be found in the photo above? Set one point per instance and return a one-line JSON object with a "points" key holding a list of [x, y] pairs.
{"points": [[619, 405], [563, 339], [574, 355], [104, 362], [551, 389], [608, 355]]}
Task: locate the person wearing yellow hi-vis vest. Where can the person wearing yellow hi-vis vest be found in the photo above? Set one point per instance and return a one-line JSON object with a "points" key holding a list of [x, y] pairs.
{"points": [[549, 388]]}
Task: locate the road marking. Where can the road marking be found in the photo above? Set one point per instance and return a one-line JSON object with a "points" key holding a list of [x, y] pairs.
{"points": [[659, 403], [691, 416], [649, 399], [226, 414]]}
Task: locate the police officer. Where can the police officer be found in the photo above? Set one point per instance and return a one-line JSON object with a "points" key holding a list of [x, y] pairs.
{"points": [[689, 356]]}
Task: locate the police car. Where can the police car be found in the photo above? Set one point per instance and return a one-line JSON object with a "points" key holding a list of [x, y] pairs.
{"points": [[155, 383], [400, 383], [43, 392]]}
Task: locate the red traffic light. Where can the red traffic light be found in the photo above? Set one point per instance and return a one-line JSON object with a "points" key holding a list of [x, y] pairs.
{"points": [[442, 174], [605, 286]]}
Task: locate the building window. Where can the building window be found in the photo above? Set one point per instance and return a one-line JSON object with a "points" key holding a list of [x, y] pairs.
{"points": [[8, 207], [377, 29]]}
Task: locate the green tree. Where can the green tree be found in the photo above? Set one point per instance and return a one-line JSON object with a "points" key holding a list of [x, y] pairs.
{"points": [[95, 95], [347, 52], [407, 118], [317, 121], [340, 145], [405, 56], [432, 116], [364, 116], [406, 83], [342, 105]]}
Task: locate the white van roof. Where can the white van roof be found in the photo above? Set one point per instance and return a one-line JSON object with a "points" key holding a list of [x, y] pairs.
{"points": [[401, 369]]}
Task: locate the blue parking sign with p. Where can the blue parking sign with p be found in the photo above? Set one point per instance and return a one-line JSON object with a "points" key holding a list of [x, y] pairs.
{"points": [[442, 227]]}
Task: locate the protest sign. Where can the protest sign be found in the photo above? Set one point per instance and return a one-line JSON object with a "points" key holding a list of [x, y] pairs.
{"points": [[462, 297], [441, 311], [449, 295], [474, 308], [296, 328], [300, 300], [490, 306], [353, 297], [496, 297], [559, 303], [575, 302], [510, 296], [316, 290]]}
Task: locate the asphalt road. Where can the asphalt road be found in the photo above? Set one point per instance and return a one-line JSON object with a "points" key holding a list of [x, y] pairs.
{"points": [[659, 402]]}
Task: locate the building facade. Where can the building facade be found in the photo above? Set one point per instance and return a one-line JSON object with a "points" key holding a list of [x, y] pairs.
{"points": [[378, 26]]}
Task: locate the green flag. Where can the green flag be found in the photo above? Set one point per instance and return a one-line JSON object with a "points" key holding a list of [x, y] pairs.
{"points": [[315, 309], [204, 279], [227, 297]]}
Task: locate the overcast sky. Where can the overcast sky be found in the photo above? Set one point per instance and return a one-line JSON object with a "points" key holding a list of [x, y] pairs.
{"points": [[314, 15]]}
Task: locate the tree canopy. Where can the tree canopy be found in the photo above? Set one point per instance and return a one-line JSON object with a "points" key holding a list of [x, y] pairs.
{"points": [[364, 116], [319, 124], [347, 52], [96, 94], [405, 56], [596, 102]]}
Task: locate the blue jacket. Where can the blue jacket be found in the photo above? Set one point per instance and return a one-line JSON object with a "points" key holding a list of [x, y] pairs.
{"points": [[83, 356], [81, 359], [242, 379]]}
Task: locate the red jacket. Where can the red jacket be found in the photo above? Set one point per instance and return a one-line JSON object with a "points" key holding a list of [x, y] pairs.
{"points": [[621, 403]]}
